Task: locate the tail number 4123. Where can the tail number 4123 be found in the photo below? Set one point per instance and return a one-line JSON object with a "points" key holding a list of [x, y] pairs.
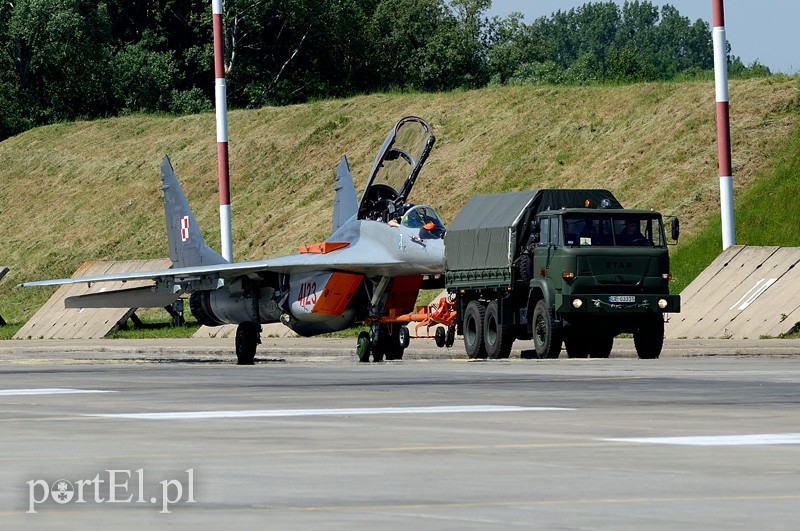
{"points": [[308, 294]]}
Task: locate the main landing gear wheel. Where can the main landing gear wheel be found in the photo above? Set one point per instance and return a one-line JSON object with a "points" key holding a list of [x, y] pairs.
{"points": [[248, 337]]}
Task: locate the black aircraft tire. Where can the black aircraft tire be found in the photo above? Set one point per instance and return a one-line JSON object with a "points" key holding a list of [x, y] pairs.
{"points": [[649, 337], [546, 332], [473, 330], [246, 342], [497, 337], [393, 342], [363, 347], [378, 342]]}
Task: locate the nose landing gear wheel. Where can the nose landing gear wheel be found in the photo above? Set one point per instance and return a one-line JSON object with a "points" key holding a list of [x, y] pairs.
{"points": [[363, 347]]}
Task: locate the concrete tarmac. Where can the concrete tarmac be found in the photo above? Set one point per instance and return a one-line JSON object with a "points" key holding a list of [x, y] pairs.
{"points": [[173, 434]]}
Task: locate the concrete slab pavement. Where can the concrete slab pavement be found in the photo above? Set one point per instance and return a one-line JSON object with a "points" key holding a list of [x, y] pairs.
{"points": [[303, 349]]}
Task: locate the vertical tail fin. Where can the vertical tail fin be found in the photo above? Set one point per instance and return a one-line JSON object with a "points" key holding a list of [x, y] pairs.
{"points": [[187, 248], [346, 205]]}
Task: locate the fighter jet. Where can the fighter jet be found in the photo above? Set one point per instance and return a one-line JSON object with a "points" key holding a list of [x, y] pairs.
{"points": [[381, 252]]}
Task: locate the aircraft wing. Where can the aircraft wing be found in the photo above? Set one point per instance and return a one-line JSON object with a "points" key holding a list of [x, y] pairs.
{"points": [[287, 264], [377, 262]]}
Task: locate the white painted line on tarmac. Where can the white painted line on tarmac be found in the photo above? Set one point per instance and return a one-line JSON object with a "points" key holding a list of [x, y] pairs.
{"points": [[174, 415], [718, 440], [51, 391]]}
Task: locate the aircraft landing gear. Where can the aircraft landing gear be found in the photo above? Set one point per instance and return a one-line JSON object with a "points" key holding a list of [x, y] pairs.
{"points": [[248, 336], [363, 347], [381, 341]]}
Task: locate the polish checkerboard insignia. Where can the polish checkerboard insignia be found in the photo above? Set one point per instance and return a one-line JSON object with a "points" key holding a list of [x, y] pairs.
{"points": [[185, 228]]}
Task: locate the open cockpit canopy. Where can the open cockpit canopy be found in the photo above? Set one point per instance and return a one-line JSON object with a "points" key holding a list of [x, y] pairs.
{"points": [[395, 169]]}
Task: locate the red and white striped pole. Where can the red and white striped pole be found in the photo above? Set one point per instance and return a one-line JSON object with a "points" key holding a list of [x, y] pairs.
{"points": [[723, 125], [221, 103]]}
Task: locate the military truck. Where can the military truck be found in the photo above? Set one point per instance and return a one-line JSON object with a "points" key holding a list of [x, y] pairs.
{"points": [[558, 266]]}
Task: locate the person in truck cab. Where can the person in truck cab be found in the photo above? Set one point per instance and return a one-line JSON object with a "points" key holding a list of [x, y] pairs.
{"points": [[631, 235]]}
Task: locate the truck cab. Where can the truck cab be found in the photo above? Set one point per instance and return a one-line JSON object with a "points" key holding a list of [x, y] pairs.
{"points": [[602, 273]]}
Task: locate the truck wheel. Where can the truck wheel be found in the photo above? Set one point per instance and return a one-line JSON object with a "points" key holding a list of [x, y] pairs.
{"points": [[577, 347], [649, 337], [473, 330], [546, 333], [601, 347], [497, 337]]}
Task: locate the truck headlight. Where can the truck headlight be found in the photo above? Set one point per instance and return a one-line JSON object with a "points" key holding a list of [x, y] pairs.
{"points": [[577, 303], [662, 303]]}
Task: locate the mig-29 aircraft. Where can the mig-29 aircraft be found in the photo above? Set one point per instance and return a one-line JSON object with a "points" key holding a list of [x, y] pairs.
{"points": [[380, 254]]}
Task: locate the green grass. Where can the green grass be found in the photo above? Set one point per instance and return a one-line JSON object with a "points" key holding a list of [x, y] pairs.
{"points": [[155, 323], [8, 330], [91, 189], [766, 213], [152, 329]]}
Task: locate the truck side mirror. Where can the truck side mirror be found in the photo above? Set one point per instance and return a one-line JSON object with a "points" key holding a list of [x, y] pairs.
{"points": [[675, 228]]}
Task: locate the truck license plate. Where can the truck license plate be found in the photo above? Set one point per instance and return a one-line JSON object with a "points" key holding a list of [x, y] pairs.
{"points": [[621, 298]]}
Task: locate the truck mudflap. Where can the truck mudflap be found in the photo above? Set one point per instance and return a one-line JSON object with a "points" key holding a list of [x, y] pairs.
{"points": [[617, 304]]}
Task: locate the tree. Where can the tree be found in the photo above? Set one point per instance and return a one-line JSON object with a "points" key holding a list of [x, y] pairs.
{"points": [[143, 80], [60, 54], [12, 118], [512, 44], [67, 59], [430, 45]]}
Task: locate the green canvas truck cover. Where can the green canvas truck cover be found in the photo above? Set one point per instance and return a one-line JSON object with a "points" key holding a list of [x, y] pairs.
{"points": [[488, 232]]}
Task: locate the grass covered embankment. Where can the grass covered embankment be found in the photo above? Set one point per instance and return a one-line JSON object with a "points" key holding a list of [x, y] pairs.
{"points": [[91, 190]]}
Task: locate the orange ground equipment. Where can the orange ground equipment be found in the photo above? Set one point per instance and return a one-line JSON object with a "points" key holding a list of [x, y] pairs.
{"points": [[437, 313]]}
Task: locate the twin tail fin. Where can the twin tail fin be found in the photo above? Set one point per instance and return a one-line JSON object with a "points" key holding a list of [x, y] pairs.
{"points": [[187, 248]]}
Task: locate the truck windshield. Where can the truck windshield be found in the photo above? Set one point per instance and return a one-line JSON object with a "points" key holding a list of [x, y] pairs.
{"points": [[619, 230]]}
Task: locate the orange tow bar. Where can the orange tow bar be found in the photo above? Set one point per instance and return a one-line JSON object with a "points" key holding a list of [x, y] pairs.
{"points": [[441, 312]]}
